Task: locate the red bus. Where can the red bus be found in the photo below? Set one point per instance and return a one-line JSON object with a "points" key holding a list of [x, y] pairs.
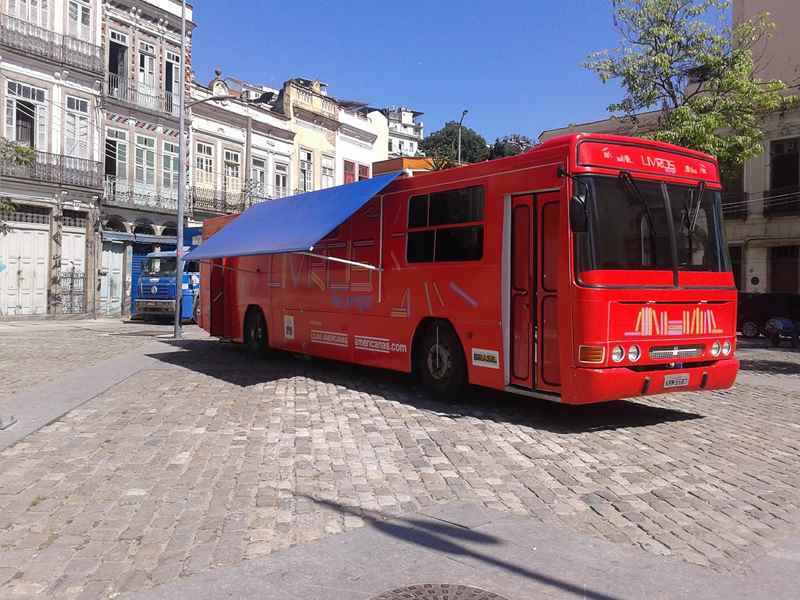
{"points": [[590, 268]]}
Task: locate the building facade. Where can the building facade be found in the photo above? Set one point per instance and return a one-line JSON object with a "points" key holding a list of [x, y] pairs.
{"points": [[141, 93], [405, 131], [336, 141], [763, 225], [761, 205], [242, 152], [51, 73]]}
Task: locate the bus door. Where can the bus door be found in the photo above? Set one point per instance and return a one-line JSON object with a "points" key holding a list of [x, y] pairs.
{"points": [[216, 295], [548, 365], [523, 292], [534, 260]]}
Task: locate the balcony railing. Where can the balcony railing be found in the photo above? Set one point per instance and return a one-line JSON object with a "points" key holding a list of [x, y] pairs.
{"points": [[782, 201], [38, 41], [57, 168], [209, 200], [143, 196], [734, 205], [143, 94]]}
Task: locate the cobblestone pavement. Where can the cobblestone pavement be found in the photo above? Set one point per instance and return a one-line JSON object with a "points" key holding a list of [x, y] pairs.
{"points": [[33, 352], [224, 458]]}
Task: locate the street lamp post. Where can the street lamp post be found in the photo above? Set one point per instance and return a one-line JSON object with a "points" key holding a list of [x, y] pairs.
{"points": [[460, 121], [178, 329]]}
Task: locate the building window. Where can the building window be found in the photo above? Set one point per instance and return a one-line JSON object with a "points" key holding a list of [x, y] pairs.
{"points": [[259, 177], [33, 11], [784, 269], [169, 164], [233, 181], [784, 164], [80, 20], [116, 154], [145, 173], [735, 252], [328, 172], [172, 82], [147, 94], [281, 179], [306, 171], [26, 115], [349, 171], [432, 237], [363, 172], [204, 164], [76, 128]]}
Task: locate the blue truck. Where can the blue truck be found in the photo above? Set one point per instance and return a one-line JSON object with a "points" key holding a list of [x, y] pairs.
{"points": [[156, 286]]}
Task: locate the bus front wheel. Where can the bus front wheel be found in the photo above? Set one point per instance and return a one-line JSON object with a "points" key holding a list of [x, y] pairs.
{"points": [[255, 332], [440, 361]]}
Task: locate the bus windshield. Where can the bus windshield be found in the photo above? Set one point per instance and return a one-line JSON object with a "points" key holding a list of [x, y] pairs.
{"points": [[160, 267], [628, 226]]}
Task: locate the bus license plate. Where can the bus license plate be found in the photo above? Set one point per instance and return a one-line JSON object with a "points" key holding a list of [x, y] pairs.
{"points": [[673, 381]]}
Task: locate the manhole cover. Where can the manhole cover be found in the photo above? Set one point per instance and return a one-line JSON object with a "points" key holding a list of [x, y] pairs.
{"points": [[438, 591]]}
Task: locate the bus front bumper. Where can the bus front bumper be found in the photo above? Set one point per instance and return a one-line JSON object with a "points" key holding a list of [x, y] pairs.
{"points": [[615, 383], [155, 307]]}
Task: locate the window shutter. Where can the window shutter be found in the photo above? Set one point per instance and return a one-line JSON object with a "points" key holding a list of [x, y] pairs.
{"points": [[41, 128], [11, 121]]}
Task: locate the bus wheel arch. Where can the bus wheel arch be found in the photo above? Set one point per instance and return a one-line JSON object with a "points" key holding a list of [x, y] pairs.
{"points": [[255, 333], [438, 358]]}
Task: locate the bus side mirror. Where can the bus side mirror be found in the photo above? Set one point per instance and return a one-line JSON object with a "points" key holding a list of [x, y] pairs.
{"points": [[577, 214]]}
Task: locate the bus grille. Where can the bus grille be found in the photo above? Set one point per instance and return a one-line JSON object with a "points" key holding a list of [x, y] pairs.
{"points": [[660, 352]]}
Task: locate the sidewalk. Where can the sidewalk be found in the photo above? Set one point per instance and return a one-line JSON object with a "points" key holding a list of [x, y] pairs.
{"points": [[511, 556]]}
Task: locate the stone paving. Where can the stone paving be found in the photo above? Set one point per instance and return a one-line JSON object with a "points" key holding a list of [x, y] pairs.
{"points": [[224, 458], [33, 352]]}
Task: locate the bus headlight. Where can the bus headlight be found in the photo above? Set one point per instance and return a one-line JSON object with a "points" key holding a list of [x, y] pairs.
{"points": [[617, 354], [634, 353], [715, 349], [726, 348]]}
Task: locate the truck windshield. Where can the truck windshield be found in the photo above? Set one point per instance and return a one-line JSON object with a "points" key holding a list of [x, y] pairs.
{"points": [[629, 226], [160, 267]]}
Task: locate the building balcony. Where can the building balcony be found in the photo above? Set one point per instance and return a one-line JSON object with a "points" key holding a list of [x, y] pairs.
{"points": [[140, 196], [734, 205], [212, 201], [58, 169], [61, 49], [143, 95], [783, 201]]}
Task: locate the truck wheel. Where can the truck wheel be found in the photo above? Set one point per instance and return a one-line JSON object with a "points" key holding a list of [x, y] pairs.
{"points": [[440, 362], [749, 329], [255, 333]]}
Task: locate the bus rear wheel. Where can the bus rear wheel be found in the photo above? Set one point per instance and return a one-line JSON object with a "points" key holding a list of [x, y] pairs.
{"points": [[440, 362], [255, 332]]}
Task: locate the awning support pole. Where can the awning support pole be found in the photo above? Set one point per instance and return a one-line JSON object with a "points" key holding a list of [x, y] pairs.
{"points": [[342, 260]]}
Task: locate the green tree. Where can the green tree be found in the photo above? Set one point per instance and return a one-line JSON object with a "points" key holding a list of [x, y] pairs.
{"points": [[442, 145], [510, 145], [679, 57], [11, 155]]}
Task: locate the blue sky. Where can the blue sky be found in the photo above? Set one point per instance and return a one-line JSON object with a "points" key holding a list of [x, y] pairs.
{"points": [[516, 65]]}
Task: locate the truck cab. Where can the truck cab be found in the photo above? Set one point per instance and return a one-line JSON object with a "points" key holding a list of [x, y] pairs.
{"points": [[156, 294]]}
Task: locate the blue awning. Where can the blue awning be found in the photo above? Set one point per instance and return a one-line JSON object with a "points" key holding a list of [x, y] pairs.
{"points": [[292, 224]]}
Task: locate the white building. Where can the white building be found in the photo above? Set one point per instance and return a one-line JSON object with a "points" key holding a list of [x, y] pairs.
{"points": [[230, 139], [51, 73], [405, 131], [361, 140]]}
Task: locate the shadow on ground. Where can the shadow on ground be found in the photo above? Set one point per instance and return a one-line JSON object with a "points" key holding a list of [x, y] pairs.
{"points": [[452, 541], [229, 362], [772, 367]]}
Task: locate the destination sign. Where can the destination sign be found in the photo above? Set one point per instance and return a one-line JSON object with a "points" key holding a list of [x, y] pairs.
{"points": [[646, 160]]}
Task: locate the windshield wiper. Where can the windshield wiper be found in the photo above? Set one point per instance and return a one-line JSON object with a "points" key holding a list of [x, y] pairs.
{"points": [[697, 201], [636, 194]]}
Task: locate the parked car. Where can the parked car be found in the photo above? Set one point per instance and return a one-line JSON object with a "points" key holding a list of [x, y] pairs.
{"points": [[756, 309], [779, 329]]}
